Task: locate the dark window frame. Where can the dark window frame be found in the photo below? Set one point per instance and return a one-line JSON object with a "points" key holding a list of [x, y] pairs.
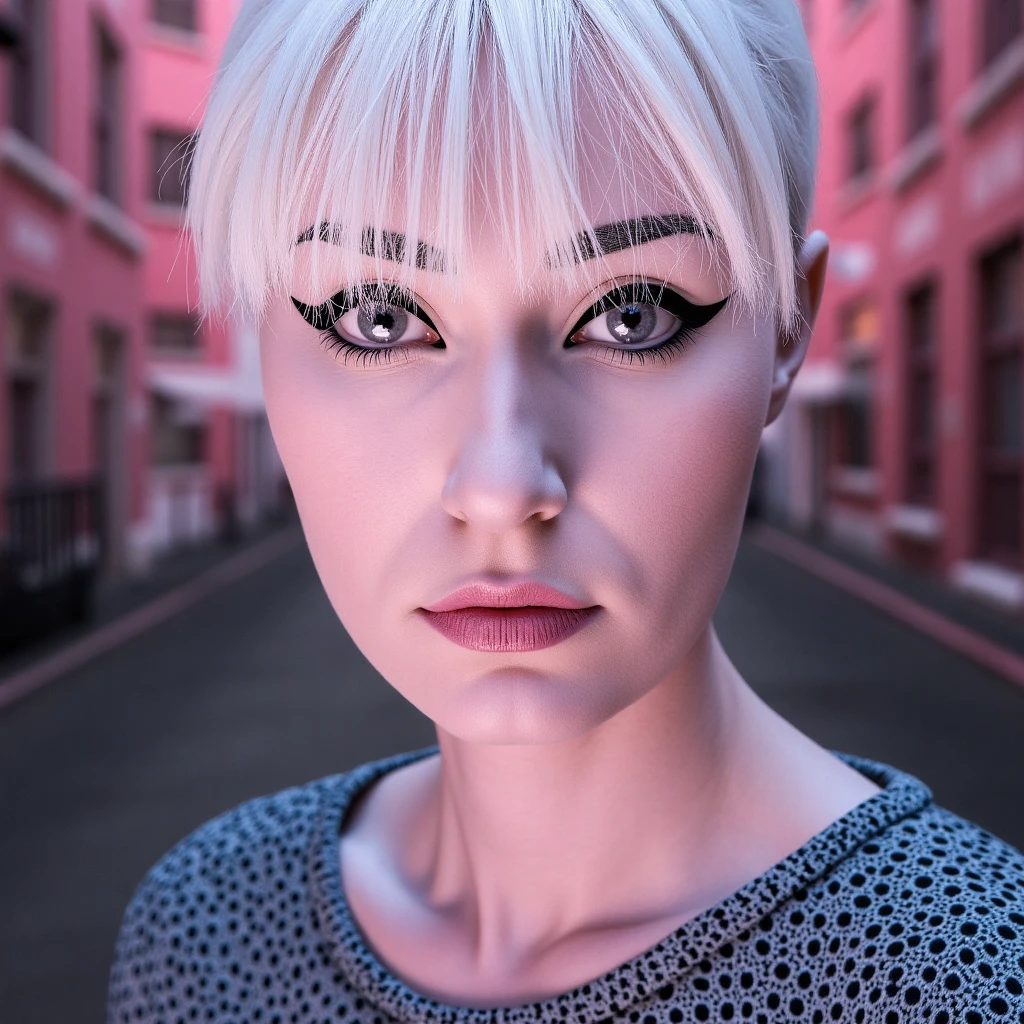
{"points": [[176, 14], [861, 157], [856, 412], [999, 533], [924, 61], [108, 94], [29, 71], [170, 156], [1002, 22], [921, 388], [169, 323], [173, 443], [30, 379]]}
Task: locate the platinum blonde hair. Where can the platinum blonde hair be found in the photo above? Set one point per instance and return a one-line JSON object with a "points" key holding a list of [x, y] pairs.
{"points": [[325, 111]]}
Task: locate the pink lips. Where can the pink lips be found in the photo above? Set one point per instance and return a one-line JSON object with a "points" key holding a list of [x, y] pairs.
{"points": [[521, 616]]}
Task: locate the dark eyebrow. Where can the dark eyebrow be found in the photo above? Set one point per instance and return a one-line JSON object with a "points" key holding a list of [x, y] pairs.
{"points": [[613, 237], [389, 245], [622, 234]]}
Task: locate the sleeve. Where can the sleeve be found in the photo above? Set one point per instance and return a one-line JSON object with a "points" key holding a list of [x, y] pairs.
{"points": [[142, 974], [185, 931]]}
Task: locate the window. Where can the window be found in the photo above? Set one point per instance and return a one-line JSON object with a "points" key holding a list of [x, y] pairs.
{"points": [[170, 155], [174, 333], [108, 437], [860, 141], [855, 417], [1003, 23], [856, 410], [920, 313], [176, 438], [106, 117], [29, 323], [1001, 420], [923, 65], [28, 70], [175, 13]]}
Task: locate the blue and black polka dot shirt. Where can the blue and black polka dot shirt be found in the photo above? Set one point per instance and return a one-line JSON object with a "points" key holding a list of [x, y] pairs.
{"points": [[899, 911]]}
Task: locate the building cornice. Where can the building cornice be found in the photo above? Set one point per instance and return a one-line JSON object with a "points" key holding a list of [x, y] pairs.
{"points": [[918, 156], [34, 165], [106, 218], [995, 83]]}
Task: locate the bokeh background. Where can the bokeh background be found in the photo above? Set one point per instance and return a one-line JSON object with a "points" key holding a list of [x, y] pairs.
{"points": [[166, 650]]}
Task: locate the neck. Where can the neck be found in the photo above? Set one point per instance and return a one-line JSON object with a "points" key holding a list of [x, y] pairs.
{"points": [[533, 843]]}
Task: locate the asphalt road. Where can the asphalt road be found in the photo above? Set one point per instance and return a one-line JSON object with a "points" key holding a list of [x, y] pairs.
{"points": [[258, 688]]}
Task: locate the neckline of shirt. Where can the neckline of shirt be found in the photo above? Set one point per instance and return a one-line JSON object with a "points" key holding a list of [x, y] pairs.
{"points": [[901, 795]]}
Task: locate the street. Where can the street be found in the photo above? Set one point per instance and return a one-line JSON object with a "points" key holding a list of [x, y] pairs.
{"points": [[258, 688]]}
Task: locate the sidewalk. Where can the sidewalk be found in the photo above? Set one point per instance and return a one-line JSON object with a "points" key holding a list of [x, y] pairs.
{"points": [[1002, 628], [115, 599]]}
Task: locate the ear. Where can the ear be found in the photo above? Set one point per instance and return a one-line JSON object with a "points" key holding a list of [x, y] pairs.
{"points": [[791, 348]]}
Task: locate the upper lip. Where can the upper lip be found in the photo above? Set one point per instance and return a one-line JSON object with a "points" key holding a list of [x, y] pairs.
{"points": [[508, 594]]}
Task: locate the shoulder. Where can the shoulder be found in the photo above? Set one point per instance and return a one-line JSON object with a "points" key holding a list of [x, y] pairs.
{"points": [[196, 903], [937, 905]]}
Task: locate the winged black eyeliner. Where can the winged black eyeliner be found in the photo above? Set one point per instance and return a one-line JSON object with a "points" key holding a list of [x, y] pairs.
{"points": [[692, 314], [328, 313], [325, 315]]}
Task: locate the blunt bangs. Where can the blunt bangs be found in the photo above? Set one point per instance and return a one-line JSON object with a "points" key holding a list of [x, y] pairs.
{"points": [[357, 115]]}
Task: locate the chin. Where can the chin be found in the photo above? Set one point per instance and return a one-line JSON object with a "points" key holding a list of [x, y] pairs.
{"points": [[519, 707]]}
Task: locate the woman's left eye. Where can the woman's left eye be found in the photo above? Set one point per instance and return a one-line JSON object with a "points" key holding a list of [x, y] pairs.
{"points": [[640, 321], [633, 324]]}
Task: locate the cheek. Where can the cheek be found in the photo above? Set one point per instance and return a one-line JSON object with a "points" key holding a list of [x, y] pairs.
{"points": [[675, 489], [345, 460]]}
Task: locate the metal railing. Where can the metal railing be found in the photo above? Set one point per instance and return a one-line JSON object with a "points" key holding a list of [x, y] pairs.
{"points": [[49, 556]]}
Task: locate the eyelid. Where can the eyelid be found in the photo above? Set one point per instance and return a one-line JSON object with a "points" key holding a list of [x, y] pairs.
{"points": [[654, 289], [329, 312]]}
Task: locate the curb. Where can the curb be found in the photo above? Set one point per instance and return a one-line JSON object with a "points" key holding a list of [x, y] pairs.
{"points": [[28, 680], [933, 624]]}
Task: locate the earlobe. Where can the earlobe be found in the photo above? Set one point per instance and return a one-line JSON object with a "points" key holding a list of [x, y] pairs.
{"points": [[791, 347]]}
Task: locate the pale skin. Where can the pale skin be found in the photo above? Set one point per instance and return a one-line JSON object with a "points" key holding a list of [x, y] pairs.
{"points": [[592, 796]]}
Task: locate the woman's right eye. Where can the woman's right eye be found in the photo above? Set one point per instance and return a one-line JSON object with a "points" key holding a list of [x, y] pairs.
{"points": [[380, 320], [382, 325]]}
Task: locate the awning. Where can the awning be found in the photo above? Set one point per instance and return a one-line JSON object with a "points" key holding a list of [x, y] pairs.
{"points": [[207, 386], [237, 386], [820, 381]]}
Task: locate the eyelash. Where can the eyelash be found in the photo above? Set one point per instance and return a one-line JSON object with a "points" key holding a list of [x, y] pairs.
{"points": [[638, 291]]}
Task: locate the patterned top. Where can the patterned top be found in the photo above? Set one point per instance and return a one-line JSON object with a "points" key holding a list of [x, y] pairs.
{"points": [[898, 911]]}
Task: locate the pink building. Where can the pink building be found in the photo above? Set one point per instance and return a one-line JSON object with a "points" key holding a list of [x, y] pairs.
{"points": [[106, 374], [905, 432], [72, 258], [211, 442]]}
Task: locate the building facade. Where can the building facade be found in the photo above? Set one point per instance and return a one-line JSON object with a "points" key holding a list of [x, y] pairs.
{"points": [[72, 256], [904, 434], [212, 454], [107, 377]]}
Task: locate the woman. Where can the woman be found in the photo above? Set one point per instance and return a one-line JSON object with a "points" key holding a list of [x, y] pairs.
{"points": [[531, 279]]}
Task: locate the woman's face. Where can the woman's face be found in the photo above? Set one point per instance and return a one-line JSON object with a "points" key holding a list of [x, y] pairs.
{"points": [[509, 454]]}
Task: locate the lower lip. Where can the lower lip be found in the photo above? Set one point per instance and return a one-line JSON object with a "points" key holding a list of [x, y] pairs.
{"points": [[509, 629]]}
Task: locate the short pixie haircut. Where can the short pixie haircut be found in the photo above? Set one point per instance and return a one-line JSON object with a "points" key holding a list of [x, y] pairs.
{"points": [[323, 111]]}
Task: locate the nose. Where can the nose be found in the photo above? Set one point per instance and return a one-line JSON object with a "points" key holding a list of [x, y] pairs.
{"points": [[503, 474]]}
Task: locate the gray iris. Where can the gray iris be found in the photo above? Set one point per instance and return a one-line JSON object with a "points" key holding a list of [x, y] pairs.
{"points": [[632, 322], [383, 324]]}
